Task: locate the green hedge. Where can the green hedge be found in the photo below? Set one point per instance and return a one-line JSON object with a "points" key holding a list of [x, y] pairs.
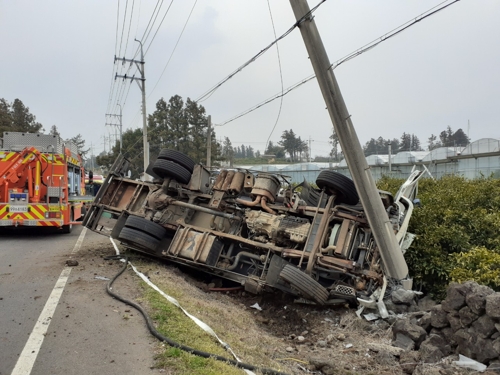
{"points": [[457, 217]]}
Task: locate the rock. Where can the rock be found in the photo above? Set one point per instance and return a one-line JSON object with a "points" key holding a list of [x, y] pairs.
{"points": [[384, 358], [495, 336], [71, 263], [430, 353], [454, 321], [416, 333], [447, 333], [439, 318], [464, 342], [467, 316], [382, 325], [377, 347], [455, 297], [476, 298], [396, 309], [484, 350], [496, 345], [425, 321], [484, 326], [300, 338], [320, 364], [402, 341], [402, 296], [409, 361], [341, 337], [493, 306], [322, 343], [289, 349], [439, 342], [426, 303], [494, 367], [427, 369]]}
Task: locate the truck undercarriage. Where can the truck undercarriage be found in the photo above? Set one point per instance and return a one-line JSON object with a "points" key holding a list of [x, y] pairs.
{"points": [[253, 228]]}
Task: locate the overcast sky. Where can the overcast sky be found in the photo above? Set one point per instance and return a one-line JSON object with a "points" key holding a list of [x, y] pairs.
{"points": [[57, 57]]}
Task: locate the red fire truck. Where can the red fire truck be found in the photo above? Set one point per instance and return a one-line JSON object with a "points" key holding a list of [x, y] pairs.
{"points": [[41, 181]]}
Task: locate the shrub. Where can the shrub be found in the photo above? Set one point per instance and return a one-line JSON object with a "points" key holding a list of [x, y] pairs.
{"points": [[456, 215], [478, 264]]}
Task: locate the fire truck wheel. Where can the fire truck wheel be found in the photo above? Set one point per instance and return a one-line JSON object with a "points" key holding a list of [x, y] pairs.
{"points": [[139, 239], [69, 227], [343, 186], [307, 286], [178, 158], [167, 168], [145, 226]]}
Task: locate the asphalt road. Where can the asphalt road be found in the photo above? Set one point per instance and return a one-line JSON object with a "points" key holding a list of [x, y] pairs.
{"points": [[89, 332]]}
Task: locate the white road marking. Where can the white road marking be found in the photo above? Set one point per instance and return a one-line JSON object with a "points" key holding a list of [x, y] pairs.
{"points": [[30, 352]]}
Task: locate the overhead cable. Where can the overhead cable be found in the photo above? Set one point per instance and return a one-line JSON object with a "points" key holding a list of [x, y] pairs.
{"points": [[175, 47], [281, 78], [348, 57], [158, 28], [209, 93]]}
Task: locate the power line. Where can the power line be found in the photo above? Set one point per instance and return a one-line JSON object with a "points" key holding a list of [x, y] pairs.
{"points": [[281, 78], [209, 93], [175, 47], [158, 28], [348, 57]]}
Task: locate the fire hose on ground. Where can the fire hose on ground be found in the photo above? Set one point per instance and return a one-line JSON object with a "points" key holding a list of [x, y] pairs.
{"points": [[167, 340]]}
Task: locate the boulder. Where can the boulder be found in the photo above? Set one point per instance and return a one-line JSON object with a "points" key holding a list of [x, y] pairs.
{"points": [[476, 298], [431, 349], [484, 350], [402, 341], [454, 321], [496, 346], [439, 318], [402, 297], [493, 305], [425, 321], [464, 340], [409, 361], [426, 303], [455, 297], [484, 326], [416, 333], [467, 316]]}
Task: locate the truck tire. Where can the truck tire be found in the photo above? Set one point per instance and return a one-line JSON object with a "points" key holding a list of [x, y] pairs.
{"points": [[167, 168], [308, 287], [178, 158], [343, 186], [139, 239], [68, 228], [146, 226]]}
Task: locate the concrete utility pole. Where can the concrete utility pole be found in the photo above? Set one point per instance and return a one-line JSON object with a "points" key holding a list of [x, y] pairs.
{"points": [[310, 149], [209, 142], [142, 85], [392, 257], [119, 126]]}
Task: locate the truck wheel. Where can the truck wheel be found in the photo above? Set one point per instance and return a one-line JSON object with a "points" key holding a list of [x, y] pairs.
{"points": [[307, 286], [139, 239], [343, 186], [145, 226], [68, 228], [167, 168], [178, 158]]}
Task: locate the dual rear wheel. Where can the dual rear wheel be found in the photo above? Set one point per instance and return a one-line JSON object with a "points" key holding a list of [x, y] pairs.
{"points": [[174, 164]]}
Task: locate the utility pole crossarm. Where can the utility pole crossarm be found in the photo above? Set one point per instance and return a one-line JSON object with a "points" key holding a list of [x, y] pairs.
{"points": [[133, 78]]}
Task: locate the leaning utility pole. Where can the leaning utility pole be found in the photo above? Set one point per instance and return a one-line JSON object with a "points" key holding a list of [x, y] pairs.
{"points": [[392, 257], [142, 85]]}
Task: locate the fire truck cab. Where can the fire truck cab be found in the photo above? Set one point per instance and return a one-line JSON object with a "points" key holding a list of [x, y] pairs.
{"points": [[41, 181]]}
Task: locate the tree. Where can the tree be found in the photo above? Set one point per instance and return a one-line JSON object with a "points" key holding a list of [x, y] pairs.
{"points": [[277, 151], [16, 117], [54, 131], [132, 150], [292, 145], [80, 144], [228, 151], [334, 141]]}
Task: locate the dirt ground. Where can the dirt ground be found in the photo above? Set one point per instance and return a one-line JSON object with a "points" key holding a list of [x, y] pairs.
{"points": [[301, 338]]}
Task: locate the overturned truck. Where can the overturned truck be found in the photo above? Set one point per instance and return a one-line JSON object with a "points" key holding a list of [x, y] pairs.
{"points": [[254, 228]]}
